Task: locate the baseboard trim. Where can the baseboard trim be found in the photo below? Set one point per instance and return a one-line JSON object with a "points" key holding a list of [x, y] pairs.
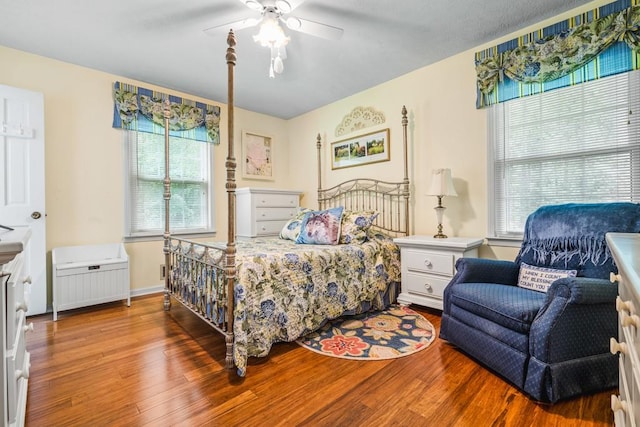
{"points": [[147, 291]]}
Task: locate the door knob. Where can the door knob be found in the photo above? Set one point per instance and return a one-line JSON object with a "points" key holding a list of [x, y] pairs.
{"points": [[36, 215]]}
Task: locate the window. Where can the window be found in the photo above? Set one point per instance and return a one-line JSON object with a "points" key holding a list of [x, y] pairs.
{"points": [[191, 204], [576, 144]]}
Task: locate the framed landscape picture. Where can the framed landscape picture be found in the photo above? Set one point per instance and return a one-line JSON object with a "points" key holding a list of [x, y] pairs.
{"points": [[360, 150], [257, 156]]}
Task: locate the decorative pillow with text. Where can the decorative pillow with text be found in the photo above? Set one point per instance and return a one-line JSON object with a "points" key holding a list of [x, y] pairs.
{"points": [[540, 278]]}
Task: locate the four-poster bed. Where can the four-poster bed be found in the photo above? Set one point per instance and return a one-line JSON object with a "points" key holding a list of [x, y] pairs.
{"points": [[262, 291]]}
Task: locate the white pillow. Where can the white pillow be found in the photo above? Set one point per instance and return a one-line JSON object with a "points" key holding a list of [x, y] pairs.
{"points": [[540, 278]]}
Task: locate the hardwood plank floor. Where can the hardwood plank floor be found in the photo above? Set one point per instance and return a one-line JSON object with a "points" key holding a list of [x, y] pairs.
{"points": [[130, 366]]}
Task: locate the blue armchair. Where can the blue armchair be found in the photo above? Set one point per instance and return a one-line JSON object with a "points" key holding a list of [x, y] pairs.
{"points": [[551, 345]]}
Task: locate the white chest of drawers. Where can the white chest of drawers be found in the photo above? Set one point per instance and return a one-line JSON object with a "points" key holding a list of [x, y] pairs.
{"points": [[428, 264], [264, 211], [625, 249], [13, 324]]}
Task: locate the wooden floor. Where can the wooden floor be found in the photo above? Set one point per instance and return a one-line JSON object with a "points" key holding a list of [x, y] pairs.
{"points": [[116, 365]]}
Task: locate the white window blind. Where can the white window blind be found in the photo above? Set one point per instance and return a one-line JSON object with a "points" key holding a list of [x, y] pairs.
{"points": [[576, 144], [191, 204]]}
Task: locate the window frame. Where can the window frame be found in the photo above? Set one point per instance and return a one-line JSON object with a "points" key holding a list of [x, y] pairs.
{"points": [[503, 237], [194, 232]]}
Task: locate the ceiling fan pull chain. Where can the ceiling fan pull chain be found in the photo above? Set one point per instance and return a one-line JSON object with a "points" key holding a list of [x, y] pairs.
{"points": [[271, 73]]}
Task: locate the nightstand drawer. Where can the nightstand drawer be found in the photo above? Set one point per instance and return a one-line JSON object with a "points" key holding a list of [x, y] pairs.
{"points": [[424, 284], [428, 262]]}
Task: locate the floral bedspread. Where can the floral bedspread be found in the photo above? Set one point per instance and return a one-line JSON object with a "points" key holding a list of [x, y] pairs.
{"points": [[285, 290]]}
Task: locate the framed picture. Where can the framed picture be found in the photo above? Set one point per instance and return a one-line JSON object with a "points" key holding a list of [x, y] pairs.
{"points": [[360, 150], [257, 156]]}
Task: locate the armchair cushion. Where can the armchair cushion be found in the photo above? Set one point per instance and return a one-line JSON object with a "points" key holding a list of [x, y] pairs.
{"points": [[509, 306]]}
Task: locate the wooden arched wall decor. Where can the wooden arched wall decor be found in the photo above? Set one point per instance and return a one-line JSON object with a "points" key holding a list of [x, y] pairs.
{"points": [[360, 118]]}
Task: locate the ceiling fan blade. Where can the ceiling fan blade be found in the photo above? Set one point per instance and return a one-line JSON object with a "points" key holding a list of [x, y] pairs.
{"points": [[252, 4], [235, 26], [313, 28], [286, 6]]}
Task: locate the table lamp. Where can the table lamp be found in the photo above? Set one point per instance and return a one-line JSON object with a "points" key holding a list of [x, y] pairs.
{"points": [[441, 185]]}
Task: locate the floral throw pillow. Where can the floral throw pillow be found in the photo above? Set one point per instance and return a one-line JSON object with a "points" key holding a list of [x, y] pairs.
{"points": [[321, 227], [291, 229], [355, 225]]}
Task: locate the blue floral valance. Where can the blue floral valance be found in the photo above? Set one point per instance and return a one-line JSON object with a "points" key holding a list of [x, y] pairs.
{"points": [[142, 110], [595, 44]]}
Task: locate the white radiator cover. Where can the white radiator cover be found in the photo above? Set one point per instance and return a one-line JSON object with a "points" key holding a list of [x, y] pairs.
{"points": [[89, 275]]}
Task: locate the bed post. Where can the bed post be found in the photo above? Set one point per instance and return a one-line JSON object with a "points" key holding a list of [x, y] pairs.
{"points": [[319, 146], [230, 260], [167, 197], [405, 181]]}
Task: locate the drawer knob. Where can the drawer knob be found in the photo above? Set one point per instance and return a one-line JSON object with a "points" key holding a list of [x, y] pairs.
{"points": [[613, 277], [627, 320], [618, 405], [428, 287], [428, 263], [27, 280], [23, 373], [624, 305], [28, 328], [617, 347]]}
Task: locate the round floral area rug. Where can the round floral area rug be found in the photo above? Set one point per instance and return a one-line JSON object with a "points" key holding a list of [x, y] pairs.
{"points": [[395, 332]]}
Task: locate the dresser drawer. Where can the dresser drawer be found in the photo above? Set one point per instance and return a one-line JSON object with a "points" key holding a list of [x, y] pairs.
{"points": [[16, 301], [428, 261], [266, 228], [18, 365], [271, 214], [424, 284], [276, 200]]}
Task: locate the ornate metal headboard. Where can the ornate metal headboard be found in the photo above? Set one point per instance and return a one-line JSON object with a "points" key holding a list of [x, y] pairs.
{"points": [[390, 199]]}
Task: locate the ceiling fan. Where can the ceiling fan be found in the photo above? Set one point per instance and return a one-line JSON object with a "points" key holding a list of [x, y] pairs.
{"points": [[271, 34]]}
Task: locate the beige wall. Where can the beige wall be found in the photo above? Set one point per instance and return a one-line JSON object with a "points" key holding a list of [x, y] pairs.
{"points": [[445, 130], [84, 163], [84, 157]]}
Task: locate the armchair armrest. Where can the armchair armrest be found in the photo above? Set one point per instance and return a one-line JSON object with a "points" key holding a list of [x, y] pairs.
{"points": [[482, 270], [583, 290], [577, 320]]}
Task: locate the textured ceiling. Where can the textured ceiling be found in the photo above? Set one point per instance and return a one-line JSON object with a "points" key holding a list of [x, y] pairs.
{"points": [[162, 42]]}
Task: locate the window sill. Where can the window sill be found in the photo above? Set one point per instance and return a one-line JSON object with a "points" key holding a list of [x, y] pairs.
{"points": [[158, 237], [510, 242]]}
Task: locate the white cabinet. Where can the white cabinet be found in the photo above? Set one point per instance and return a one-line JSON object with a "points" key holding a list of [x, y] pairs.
{"points": [[264, 211], [13, 307], [626, 405], [428, 264]]}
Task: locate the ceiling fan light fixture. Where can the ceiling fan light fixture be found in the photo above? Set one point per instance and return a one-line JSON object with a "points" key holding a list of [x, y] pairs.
{"points": [[271, 34]]}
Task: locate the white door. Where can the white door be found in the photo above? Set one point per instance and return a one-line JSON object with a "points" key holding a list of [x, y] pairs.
{"points": [[22, 182]]}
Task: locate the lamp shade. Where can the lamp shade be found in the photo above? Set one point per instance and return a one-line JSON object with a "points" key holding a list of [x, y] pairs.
{"points": [[441, 183]]}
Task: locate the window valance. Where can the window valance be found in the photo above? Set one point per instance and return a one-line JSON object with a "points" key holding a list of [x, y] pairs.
{"points": [[140, 109], [595, 44]]}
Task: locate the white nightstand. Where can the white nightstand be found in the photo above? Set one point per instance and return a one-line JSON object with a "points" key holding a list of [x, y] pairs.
{"points": [[428, 264]]}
